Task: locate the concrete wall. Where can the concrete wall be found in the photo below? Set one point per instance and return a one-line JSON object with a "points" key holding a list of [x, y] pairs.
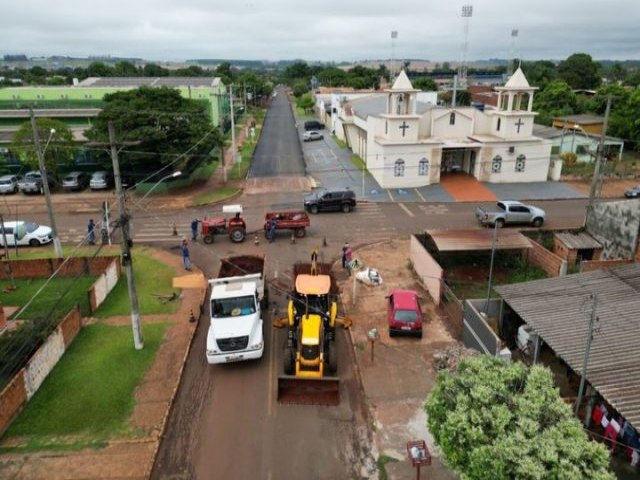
{"points": [[104, 284], [543, 258], [427, 269], [477, 333], [27, 381], [616, 225]]}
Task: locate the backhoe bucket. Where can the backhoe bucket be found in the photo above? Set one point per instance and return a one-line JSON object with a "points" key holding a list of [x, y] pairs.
{"points": [[308, 391]]}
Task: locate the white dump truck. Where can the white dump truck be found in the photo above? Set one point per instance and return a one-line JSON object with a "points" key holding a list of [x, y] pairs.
{"points": [[238, 296]]}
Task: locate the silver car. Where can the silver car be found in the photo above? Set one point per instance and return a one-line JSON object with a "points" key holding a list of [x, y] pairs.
{"points": [[9, 183], [101, 180]]}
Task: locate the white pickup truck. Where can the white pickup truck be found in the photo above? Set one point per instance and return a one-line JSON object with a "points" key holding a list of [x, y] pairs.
{"points": [[511, 212], [237, 299]]}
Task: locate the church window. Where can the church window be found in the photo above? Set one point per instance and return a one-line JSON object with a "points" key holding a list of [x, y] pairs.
{"points": [[398, 170], [496, 164], [520, 163], [423, 167], [498, 125], [452, 118]]}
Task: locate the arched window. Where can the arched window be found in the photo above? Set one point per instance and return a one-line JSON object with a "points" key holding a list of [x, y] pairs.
{"points": [[496, 164], [498, 125], [520, 163], [398, 169], [452, 118], [423, 167]]}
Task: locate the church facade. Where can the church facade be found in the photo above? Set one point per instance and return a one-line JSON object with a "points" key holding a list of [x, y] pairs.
{"points": [[405, 143]]}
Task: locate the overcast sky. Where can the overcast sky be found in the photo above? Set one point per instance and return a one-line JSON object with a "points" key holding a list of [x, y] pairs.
{"points": [[326, 30]]}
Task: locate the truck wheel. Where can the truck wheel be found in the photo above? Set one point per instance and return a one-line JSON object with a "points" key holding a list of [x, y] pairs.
{"points": [[208, 239], [332, 359], [288, 361], [346, 208], [537, 222], [237, 235], [313, 209], [300, 232], [500, 223]]}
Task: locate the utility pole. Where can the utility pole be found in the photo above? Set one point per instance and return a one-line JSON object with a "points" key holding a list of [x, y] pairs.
{"points": [[6, 249], [596, 169], [585, 361], [127, 261], [233, 125], [45, 184], [493, 255]]}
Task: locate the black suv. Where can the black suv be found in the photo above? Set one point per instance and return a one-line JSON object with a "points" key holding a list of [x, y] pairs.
{"points": [[313, 125], [324, 200]]}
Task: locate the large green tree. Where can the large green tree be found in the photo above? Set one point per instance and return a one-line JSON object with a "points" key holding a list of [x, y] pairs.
{"points": [[495, 420], [580, 71], [56, 141], [162, 122], [557, 99], [426, 84], [539, 73]]}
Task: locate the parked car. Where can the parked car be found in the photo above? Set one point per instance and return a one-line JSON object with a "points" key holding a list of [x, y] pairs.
{"points": [[633, 192], [311, 136], [25, 233], [510, 212], [32, 183], [101, 180], [75, 181], [322, 199], [313, 125], [404, 314], [9, 183]]}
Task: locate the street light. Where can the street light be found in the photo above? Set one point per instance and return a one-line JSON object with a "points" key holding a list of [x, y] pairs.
{"points": [[171, 175], [45, 181]]}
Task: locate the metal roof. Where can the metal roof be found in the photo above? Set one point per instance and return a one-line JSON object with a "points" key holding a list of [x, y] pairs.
{"points": [[578, 241], [559, 310], [477, 239]]}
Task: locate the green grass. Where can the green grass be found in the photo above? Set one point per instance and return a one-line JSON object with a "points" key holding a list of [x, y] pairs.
{"points": [[89, 396], [357, 161], [216, 195], [340, 143], [55, 300], [151, 277], [67, 251]]}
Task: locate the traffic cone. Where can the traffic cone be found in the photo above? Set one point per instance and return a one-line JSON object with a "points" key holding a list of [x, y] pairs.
{"points": [[192, 317], [324, 241], [256, 240], [293, 238]]}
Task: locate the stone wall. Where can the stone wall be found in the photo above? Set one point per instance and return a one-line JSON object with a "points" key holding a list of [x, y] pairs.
{"points": [[616, 225]]}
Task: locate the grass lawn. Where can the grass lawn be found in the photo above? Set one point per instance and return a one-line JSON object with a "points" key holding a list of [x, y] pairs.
{"points": [[151, 277], [67, 251], [215, 195], [55, 300], [357, 161], [90, 390]]}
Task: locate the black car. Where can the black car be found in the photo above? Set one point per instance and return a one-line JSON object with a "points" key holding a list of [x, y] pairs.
{"points": [[326, 200], [313, 125]]}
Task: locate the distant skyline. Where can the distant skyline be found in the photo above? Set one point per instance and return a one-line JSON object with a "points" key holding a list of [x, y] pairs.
{"points": [[165, 30]]}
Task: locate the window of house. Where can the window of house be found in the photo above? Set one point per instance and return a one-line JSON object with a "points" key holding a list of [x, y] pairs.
{"points": [[555, 150], [452, 118], [423, 167], [520, 163], [398, 170], [496, 164], [581, 150], [498, 124]]}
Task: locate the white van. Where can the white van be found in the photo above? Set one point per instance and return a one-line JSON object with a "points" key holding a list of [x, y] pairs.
{"points": [[25, 233]]}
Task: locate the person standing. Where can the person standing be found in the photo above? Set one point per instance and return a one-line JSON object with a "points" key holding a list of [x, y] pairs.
{"points": [[91, 230], [272, 230], [186, 259], [194, 229], [344, 255], [348, 257]]}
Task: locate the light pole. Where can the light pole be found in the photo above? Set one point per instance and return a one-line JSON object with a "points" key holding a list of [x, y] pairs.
{"points": [[171, 175], [45, 181]]}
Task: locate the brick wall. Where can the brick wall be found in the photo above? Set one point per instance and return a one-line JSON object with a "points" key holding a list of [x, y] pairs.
{"points": [[12, 398], [591, 265], [44, 267], [3, 319], [548, 261]]}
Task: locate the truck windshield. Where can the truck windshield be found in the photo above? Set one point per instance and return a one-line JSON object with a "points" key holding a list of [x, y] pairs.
{"points": [[233, 307]]}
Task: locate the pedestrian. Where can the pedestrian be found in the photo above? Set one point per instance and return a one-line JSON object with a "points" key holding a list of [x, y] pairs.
{"points": [[344, 255], [185, 255], [349, 256], [272, 230], [91, 230], [194, 229]]}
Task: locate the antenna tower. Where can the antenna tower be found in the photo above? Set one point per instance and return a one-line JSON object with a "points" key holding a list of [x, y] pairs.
{"points": [[467, 12]]}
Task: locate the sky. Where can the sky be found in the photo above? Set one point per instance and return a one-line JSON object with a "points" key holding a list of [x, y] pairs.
{"points": [[326, 30]]}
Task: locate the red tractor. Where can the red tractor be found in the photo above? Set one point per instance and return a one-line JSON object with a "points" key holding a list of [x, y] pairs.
{"points": [[235, 226]]}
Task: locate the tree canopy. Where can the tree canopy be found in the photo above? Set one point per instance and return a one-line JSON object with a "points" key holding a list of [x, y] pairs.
{"points": [[495, 420], [580, 71], [56, 140], [163, 122], [426, 84], [557, 99]]}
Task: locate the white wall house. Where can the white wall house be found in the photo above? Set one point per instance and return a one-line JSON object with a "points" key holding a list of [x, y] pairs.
{"points": [[408, 143]]}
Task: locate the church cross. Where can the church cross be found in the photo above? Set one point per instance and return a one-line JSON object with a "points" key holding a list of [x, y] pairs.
{"points": [[403, 127], [518, 124]]}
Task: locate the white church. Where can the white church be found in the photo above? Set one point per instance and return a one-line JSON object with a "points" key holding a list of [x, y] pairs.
{"points": [[406, 143]]}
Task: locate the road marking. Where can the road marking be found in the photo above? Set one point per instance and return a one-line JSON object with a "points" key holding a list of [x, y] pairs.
{"points": [[271, 368], [388, 190], [409, 212], [420, 195]]}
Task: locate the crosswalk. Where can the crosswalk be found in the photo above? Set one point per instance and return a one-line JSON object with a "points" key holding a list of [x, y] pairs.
{"points": [[151, 232]]}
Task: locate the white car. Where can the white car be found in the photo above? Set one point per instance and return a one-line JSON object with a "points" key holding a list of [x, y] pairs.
{"points": [[25, 233], [311, 136]]}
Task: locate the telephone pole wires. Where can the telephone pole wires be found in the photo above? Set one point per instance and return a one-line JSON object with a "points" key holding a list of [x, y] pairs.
{"points": [[599, 155], [127, 261]]}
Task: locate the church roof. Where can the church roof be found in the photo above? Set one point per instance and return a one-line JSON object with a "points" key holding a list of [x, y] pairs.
{"points": [[517, 81], [402, 83]]}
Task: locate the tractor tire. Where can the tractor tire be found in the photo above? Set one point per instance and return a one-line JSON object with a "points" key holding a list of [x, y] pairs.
{"points": [[237, 235], [208, 239], [289, 367], [300, 232], [332, 359]]}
